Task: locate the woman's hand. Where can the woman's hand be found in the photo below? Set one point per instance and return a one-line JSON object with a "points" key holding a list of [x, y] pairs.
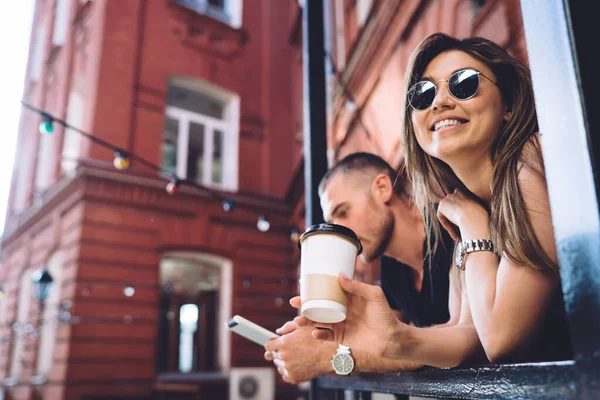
{"points": [[463, 217]]}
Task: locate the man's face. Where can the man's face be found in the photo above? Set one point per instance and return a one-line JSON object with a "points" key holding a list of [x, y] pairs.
{"points": [[349, 202]]}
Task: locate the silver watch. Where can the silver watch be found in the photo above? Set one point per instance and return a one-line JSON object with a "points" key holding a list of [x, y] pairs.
{"points": [[342, 361], [468, 246]]}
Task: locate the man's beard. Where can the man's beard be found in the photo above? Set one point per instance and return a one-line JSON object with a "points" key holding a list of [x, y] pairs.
{"points": [[382, 239]]}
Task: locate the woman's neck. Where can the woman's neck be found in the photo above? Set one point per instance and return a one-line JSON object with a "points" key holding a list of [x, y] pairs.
{"points": [[476, 174]]}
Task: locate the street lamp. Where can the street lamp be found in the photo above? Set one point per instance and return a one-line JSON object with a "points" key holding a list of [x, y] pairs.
{"points": [[42, 284]]}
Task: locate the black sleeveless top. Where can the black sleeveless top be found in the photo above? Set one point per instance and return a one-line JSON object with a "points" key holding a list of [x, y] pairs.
{"points": [[430, 306]]}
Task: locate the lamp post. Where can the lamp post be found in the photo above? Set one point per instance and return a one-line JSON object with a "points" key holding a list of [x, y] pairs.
{"points": [[42, 284]]}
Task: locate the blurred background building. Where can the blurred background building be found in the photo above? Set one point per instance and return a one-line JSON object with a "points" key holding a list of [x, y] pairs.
{"points": [[210, 91]]}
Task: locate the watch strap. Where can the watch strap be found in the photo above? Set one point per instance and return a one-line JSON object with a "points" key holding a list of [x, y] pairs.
{"points": [[469, 246]]}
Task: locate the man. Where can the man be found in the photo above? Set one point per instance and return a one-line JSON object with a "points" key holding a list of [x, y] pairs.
{"points": [[359, 192]]}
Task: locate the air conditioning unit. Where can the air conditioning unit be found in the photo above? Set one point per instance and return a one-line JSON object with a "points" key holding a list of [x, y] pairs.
{"points": [[252, 384]]}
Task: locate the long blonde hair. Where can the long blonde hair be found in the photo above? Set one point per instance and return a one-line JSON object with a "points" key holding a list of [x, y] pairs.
{"points": [[511, 229]]}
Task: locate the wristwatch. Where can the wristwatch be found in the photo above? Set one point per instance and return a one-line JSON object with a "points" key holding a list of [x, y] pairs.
{"points": [[468, 246], [342, 361]]}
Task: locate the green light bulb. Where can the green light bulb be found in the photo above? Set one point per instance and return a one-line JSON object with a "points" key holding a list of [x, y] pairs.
{"points": [[46, 126]]}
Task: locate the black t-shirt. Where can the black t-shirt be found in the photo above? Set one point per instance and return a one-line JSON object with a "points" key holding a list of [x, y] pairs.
{"points": [[430, 306]]}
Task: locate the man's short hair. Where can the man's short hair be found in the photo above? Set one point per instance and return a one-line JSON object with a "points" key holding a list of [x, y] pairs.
{"points": [[363, 166]]}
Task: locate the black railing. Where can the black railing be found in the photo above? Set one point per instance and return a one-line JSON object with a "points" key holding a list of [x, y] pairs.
{"points": [[560, 41]]}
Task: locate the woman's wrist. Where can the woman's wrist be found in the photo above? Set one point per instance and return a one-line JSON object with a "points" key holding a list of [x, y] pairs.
{"points": [[478, 231]]}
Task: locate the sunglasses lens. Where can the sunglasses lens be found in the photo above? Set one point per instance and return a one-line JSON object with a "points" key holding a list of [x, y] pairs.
{"points": [[421, 95], [464, 84]]}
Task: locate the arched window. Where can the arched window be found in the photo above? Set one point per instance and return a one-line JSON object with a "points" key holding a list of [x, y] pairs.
{"points": [[16, 363], [50, 317]]}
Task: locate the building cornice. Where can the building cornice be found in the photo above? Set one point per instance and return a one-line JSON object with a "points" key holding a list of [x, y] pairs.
{"points": [[106, 184]]}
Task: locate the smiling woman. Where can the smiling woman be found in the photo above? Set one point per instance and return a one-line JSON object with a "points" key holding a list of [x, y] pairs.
{"points": [[472, 144]]}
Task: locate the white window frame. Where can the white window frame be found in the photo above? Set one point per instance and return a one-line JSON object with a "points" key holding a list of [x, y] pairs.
{"points": [[61, 22], [38, 54], [72, 140], [44, 159], [229, 148], [232, 9]]}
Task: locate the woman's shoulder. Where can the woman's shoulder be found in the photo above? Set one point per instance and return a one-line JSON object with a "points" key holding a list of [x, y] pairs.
{"points": [[531, 159], [532, 185]]}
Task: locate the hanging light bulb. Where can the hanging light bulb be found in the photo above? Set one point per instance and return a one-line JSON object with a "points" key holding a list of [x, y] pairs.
{"points": [[47, 125], [227, 205], [263, 224], [121, 160], [173, 186], [129, 291], [294, 234]]}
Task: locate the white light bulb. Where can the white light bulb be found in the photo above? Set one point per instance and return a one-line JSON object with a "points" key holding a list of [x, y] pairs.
{"points": [[263, 224], [129, 291]]}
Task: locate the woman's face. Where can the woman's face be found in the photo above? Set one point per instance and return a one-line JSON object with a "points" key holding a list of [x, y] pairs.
{"points": [[479, 118]]}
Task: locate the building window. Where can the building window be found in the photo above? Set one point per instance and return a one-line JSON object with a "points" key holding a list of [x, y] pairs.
{"points": [[201, 134], [72, 142], [16, 363], [61, 22], [24, 167], [38, 55], [50, 318], [227, 11], [44, 158]]}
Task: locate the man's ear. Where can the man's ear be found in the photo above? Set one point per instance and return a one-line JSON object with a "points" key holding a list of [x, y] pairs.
{"points": [[382, 188]]}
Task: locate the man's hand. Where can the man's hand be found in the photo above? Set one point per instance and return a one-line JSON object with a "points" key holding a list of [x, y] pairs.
{"points": [[370, 323], [299, 357]]}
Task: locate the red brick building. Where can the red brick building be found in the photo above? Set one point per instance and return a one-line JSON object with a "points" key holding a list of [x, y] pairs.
{"points": [[371, 42], [209, 90]]}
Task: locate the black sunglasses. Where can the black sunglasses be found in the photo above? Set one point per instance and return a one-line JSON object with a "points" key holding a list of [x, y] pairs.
{"points": [[462, 85]]}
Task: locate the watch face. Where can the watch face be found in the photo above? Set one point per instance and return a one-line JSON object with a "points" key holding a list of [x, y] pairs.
{"points": [[343, 364]]}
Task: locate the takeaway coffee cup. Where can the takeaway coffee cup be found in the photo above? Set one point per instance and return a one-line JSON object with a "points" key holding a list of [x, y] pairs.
{"points": [[326, 251]]}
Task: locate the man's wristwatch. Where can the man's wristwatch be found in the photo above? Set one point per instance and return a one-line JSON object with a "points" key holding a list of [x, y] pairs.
{"points": [[342, 361], [468, 246]]}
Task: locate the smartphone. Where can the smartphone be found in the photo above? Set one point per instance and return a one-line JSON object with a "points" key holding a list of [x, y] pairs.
{"points": [[250, 330]]}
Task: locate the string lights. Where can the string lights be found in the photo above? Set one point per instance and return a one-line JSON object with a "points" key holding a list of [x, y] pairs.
{"points": [[123, 159], [173, 186], [47, 125], [263, 224]]}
